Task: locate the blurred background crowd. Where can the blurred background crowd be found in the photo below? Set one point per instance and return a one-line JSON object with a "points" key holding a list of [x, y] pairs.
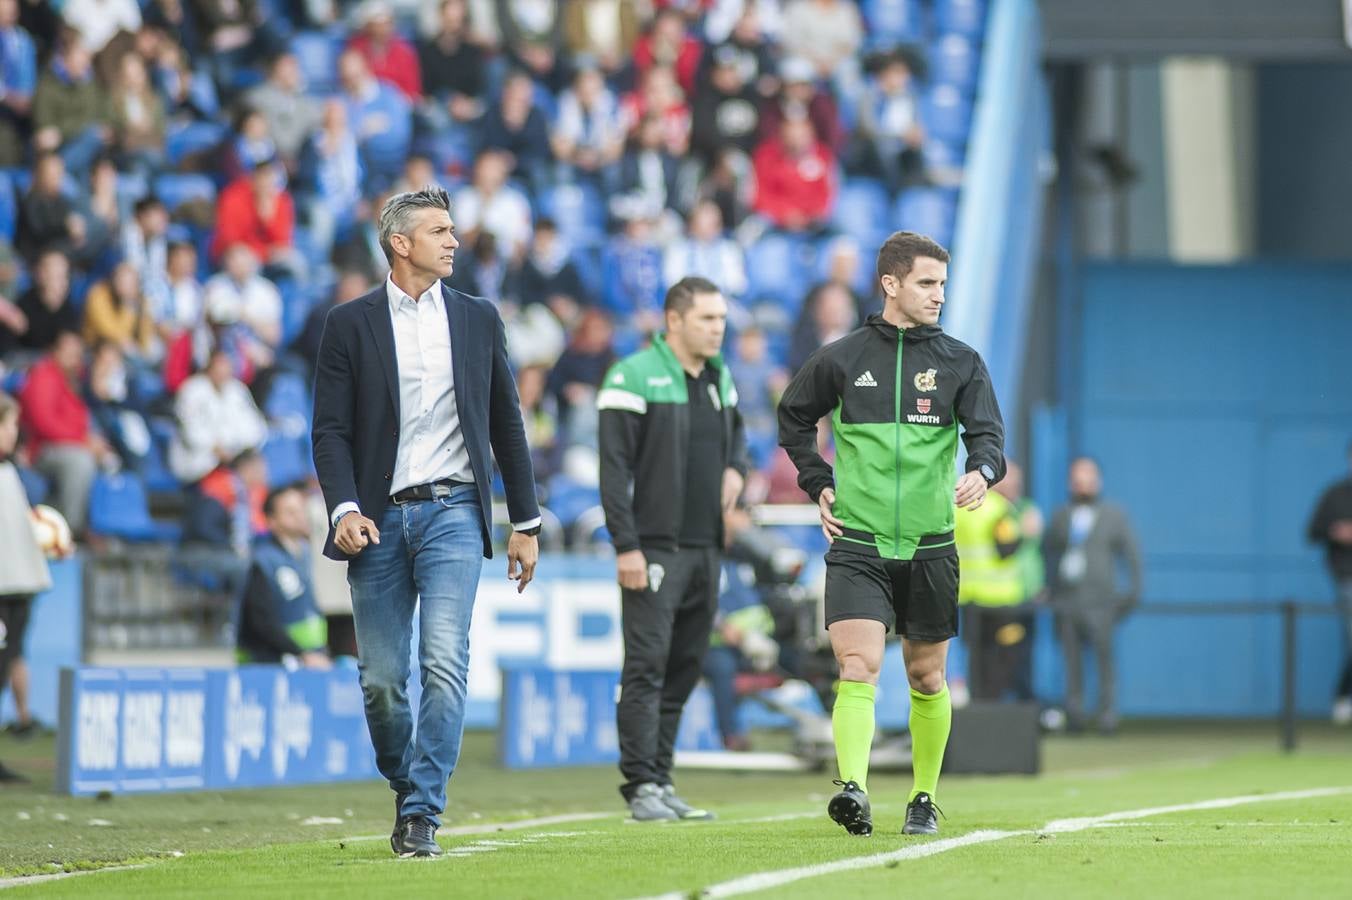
{"points": [[190, 185]]}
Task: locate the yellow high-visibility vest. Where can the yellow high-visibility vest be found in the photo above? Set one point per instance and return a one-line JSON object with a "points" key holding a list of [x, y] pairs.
{"points": [[985, 578]]}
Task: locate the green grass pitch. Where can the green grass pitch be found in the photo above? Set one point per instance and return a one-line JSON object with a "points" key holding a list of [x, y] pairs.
{"points": [[1004, 837]]}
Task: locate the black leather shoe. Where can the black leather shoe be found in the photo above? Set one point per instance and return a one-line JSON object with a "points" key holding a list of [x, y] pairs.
{"points": [[850, 809], [922, 816], [397, 835], [420, 838]]}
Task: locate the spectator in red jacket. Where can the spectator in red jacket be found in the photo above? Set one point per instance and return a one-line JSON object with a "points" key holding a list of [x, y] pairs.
{"points": [[63, 446], [390, 58], [256, 210], [795, 178], [668, 43]]}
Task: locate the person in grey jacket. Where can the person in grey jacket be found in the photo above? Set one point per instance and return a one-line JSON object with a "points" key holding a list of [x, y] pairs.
{"points": [[1094, 570], [23, 575]]}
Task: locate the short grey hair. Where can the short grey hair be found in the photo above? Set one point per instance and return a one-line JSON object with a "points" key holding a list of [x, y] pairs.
{"points": [[396, 216]]}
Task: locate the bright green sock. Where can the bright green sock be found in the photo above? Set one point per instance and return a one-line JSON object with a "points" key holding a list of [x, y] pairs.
{"points": [[852, 722], [931, 718]]}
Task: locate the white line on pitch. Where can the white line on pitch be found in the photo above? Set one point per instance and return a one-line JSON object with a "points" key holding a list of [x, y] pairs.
{"points": [[761, 881]]}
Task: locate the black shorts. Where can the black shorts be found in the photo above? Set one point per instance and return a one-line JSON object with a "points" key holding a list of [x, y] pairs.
{"points": [[917, 598], [14, 610]]}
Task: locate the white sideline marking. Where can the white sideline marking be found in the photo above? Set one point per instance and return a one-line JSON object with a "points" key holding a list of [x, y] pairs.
{"points": [[494, 827], [761, 881]]}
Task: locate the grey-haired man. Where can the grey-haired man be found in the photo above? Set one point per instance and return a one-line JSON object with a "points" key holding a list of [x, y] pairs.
{"points": [[412, 390]]}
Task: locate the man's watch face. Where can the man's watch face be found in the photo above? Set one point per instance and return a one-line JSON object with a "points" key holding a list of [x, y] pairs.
{"points": [[987, 473]]}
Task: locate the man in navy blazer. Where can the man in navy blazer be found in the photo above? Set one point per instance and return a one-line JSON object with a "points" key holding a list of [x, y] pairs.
{"points": [[412, 389]]}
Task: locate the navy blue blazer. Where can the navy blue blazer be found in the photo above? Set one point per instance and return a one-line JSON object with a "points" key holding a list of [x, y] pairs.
{"points": [[356, 417]]}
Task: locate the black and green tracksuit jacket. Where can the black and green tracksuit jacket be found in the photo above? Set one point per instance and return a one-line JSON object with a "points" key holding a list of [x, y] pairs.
{"points": [[644, 432], [896, 399]]}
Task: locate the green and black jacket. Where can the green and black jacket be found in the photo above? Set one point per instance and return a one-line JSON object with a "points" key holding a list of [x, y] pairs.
{"points": [[644, 431], [896, 399]]}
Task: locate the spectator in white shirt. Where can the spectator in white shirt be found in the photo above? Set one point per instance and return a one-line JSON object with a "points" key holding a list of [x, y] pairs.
{"points": [[217, 420], [588, 136], [257, 300], [490, 204], [706, 252]]}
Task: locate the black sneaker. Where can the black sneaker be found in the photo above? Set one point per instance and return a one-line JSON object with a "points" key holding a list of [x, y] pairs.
{"points": [[922, 816], [850, 809], [420, 838], [397, 835]]}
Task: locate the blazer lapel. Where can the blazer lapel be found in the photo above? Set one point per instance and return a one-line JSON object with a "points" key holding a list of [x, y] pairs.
{"points": [[458, 319], [382, 329]]}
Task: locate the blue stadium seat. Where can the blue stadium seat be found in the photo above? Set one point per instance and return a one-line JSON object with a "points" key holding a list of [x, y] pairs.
{"points": [[175, 189], [954, 59], [587, 261], [861, 209], [317, 54], [892, 22], [568, 499], [191, 138], [9, 208], [942, 153], [947, 114], [929, 211], [118, 508], [287, 456], [578, 211], [35, 487], [773, 269], [288, 397], [966, 17]]}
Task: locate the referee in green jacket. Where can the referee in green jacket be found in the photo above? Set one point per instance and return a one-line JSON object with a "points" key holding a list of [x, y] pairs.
{"points": [[897, 390], [673, 458]]}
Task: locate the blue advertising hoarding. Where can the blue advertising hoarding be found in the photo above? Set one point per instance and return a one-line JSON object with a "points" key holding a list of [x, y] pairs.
{"points": [[147, 730], [567, 718]]}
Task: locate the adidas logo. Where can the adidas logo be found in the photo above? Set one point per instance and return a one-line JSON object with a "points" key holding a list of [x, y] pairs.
{"points": [[865, 380]]}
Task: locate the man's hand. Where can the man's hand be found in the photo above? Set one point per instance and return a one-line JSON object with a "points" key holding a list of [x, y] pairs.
{"points": [[831, 526], [971, 491], [316, 660], [632, 568], [354, 532], [733, 482], [523, 551]]}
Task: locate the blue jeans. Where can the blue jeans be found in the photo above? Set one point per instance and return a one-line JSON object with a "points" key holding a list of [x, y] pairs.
{"points": [[429, 557], [721, 665]]}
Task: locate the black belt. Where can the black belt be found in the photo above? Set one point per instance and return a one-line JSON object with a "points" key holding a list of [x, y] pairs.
{"points": [[429, 491]]}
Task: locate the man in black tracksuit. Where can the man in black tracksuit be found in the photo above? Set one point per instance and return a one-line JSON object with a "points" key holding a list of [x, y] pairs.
{"points": [[1331, 525], [673, 458]]}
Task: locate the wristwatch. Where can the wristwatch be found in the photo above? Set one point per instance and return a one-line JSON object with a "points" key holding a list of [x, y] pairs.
{"points": [[529, 532], [987, 473]]}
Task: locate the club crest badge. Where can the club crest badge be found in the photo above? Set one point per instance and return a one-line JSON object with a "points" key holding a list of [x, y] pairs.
{"points": [[926, 380], [656, 573]]}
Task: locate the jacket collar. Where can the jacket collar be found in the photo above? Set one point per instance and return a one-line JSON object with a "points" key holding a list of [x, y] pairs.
{"points": [[888, 330]]}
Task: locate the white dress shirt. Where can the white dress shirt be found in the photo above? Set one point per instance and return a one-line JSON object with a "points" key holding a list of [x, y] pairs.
{"points": [[431, 442]]}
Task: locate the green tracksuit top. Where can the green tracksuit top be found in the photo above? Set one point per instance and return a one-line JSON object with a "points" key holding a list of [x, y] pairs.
{"points": [[897, 399]]}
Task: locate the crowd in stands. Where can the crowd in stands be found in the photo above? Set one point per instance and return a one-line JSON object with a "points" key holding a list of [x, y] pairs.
{"points": [[188, 186]]}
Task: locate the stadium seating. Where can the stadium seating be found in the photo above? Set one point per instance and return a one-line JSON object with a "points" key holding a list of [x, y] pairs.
{"points": [[967, 17], [947, 114], [183, 141], [177, 188], [9, 207], [862, 210], [892, 22], [954, 60], [118, 508]]}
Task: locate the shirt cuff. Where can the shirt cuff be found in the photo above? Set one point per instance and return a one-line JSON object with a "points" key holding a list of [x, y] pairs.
{"points": [[528, 524], [342, 510]]}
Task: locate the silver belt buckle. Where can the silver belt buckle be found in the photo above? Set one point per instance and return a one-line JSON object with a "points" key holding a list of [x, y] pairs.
{"points": [[440, 490]]}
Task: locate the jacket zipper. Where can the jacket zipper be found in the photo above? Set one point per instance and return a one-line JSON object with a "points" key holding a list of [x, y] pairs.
{"points": [[896, 503]]}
